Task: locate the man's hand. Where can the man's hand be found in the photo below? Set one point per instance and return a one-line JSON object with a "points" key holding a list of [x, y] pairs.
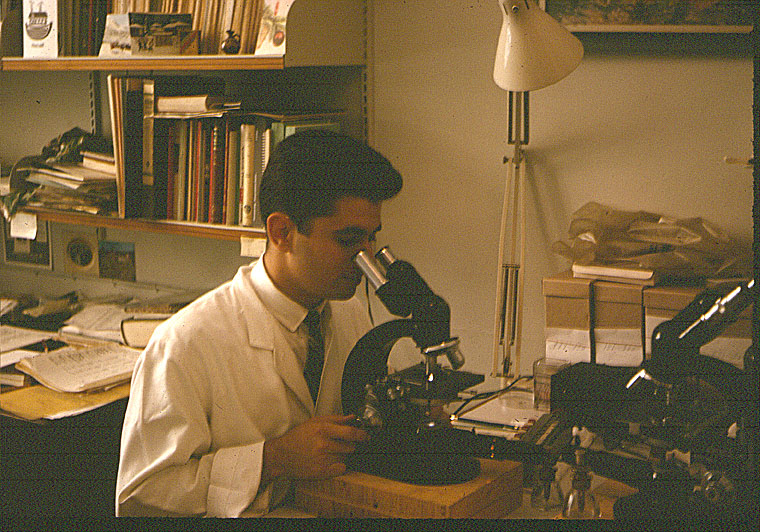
{"points": [[314, 449]]}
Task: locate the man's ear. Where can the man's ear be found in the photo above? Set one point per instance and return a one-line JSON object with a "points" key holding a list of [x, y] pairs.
{"points": [[280, 230]]}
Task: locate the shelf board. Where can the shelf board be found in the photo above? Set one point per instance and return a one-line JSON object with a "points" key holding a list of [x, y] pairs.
{"points": [[176, 63], [218, 232]]}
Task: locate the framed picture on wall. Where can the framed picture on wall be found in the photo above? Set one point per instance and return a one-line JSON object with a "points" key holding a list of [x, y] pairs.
{"points": [[30, 252], [675, 16]]}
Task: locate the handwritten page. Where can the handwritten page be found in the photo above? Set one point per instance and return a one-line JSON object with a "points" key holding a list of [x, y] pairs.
{"points": [[76, 370], [15, 337]]}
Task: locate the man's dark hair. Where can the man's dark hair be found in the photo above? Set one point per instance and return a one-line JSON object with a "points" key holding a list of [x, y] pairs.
{"points": [[310, 170]]}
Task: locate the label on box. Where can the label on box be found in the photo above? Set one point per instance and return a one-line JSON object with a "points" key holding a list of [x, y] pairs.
{"points": [[607, 354], [40, 28]]}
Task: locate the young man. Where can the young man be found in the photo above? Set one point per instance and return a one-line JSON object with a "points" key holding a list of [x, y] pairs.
{"points": [[220, 415]]}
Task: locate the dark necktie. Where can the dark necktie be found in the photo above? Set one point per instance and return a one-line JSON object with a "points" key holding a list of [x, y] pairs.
{"points": [[315, 358]]}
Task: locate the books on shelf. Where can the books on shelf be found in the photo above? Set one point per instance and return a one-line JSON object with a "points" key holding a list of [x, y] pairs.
{"points": [[76, 172], [80, 26], [100, 27], [202, 166], [72, 369], [195, 103], [103, 162], [619, 274], [258, 137], [213, 163]]}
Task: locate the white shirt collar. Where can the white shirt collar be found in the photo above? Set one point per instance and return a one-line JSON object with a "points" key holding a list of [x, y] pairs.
{"points": [[289, 313]]}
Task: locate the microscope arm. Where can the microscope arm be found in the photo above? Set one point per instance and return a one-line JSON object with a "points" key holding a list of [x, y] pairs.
{"points": [[676, 343], [368, 361]]}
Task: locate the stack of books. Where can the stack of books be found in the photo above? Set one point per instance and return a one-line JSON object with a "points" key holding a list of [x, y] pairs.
{"points": [[72, 186]]}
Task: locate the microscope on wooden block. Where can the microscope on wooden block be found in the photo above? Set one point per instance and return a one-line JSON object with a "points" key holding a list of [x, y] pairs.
{"points": [[683, 428], [407, 441]]}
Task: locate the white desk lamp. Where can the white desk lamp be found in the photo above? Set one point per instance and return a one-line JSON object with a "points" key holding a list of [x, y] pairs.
{"points": [[534, 52]]}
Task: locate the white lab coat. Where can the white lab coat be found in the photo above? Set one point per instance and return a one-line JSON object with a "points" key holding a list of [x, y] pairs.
{"points": [[217, 380]]}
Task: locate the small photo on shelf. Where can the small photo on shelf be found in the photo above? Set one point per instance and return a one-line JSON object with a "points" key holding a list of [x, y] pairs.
{"points": [[29, 252]]}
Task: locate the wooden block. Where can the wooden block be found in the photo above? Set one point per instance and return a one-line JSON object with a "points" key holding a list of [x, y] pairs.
{"points": [[494, 493]]}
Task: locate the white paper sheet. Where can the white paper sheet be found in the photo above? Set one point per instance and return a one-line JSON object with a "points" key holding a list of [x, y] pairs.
{"points": [[102, 321], [15, 337]]}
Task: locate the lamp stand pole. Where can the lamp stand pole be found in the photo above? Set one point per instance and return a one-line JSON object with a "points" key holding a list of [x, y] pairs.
{"points": [[507, 334]]}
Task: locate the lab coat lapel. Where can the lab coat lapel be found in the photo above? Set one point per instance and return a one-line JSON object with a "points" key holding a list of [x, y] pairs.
{"points": [[262, 335], [292, 376]]}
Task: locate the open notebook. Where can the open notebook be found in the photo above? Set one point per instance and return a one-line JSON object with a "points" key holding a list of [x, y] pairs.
{"points": [[72, 369]]}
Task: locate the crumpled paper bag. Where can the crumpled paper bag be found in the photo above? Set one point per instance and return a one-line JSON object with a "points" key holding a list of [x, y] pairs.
{"points": [[683, 248]]}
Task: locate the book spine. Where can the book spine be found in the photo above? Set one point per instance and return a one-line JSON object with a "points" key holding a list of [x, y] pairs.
{"points": [[180, 187], [171, 169], [232, 176], [190, 188], [149, 87], [204, 175], [160, 146], [133, 131], [197, 169], [261, 158], [247, 172], [216, 173], [114, 101]]}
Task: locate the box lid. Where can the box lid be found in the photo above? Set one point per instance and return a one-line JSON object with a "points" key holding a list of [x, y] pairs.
{"points": [[565, 285], [675, 298]]}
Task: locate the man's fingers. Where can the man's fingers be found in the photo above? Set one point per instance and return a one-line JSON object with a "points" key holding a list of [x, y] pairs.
{"points": [[344, 432]]}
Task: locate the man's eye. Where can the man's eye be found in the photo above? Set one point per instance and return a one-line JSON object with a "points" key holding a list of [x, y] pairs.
{"points": [[354, 240], [349, 242]]}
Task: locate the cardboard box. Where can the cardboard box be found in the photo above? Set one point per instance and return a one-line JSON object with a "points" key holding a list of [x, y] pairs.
{"points": [[662, 303], [494, 493], [614, 317]]}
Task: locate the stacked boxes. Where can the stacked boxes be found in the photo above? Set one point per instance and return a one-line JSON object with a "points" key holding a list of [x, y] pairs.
{"points": [[620, 318], [581, 312]]}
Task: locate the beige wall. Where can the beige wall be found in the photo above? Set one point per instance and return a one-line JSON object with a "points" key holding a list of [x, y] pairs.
{"points": [[631, 127], [637, 126]]}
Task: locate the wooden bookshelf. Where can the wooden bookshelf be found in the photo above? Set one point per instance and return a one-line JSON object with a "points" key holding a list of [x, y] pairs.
{"points": [[324, 33], [194, 229]]}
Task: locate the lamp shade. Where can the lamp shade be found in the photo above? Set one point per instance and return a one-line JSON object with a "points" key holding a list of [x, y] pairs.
{"points": [[534, 50]]}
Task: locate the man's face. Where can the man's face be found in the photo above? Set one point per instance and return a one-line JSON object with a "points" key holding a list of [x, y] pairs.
{"points": [[321, 262]]}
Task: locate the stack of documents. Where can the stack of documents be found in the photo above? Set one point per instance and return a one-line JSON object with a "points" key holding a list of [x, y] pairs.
{"points": [[14, 346]]}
